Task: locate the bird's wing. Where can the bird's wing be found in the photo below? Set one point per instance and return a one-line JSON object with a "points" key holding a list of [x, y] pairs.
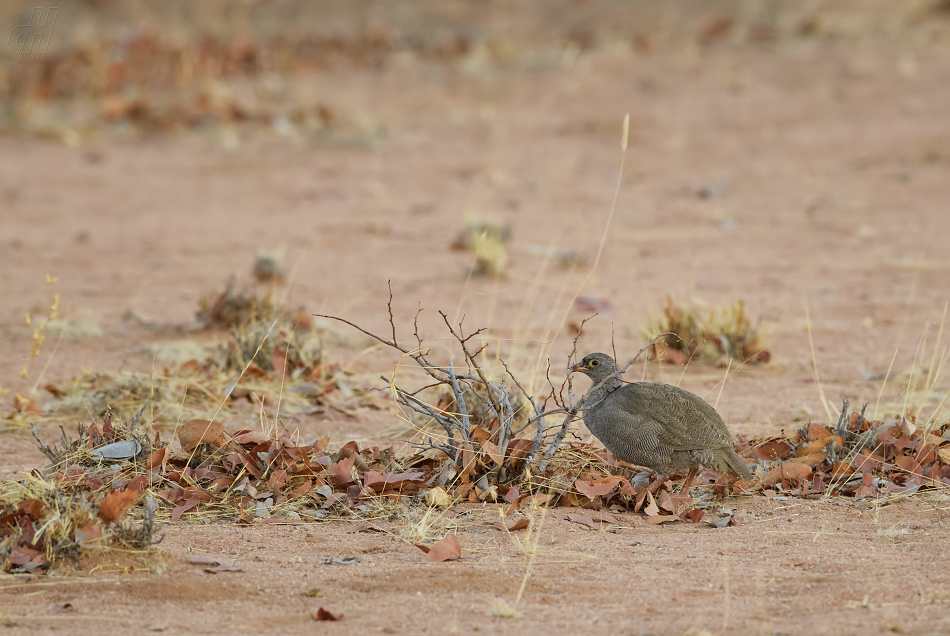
{"points": [[686, 421]]}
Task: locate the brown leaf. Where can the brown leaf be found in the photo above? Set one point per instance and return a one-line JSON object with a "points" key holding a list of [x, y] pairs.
{"points": [[651, 509], [277, 479], [788, 470], [513, 494], [380, 482], [88, 534], [479, 434], [603, 517], [341, 473], [694, 514], [301, 490], [139, 483], [446, 549], [32, 507], [840, 469], [201, 494], [867, 486], [22, 555], [818, 446], [54, 390], [817, 432], [248, 436], [185, 507], [195, 432], [666, 502], [326, 615], [944, 454], [596, 487], [518, 449], [814, 459], [517, 524], [491, 449], [468, 458], [159, 457], [173, 495], [909, 464], [867, 463], [777, 449], [115, 504], [25, 404], [584, 520]]}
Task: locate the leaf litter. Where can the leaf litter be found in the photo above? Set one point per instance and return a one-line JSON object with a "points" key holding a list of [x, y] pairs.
{"points": [[215, 470]]}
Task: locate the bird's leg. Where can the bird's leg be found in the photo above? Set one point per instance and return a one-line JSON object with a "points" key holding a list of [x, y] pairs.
{"points": [[688, 481]]}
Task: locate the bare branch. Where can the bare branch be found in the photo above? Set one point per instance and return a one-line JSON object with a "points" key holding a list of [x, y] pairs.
{"points": [[419, 406], [538, 417], [389, 307], [471, 360], [518, 384], [460, 401], [613, 346]]}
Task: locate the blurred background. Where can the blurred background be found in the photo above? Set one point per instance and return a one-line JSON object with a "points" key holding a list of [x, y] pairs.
{"points": [[782, 154]]}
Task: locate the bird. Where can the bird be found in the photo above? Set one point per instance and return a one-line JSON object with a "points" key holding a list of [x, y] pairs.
{"points": [[658, 426]]}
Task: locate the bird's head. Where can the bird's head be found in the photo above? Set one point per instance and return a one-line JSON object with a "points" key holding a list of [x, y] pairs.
{"points": [[596, 366]]}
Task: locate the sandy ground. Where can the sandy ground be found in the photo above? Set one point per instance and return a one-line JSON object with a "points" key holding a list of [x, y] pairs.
{"points": [[817, 173]]}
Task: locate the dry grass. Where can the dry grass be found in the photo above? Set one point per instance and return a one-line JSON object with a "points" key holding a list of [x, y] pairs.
{"points": [[272, 362], [487, 240], [711, 335]]}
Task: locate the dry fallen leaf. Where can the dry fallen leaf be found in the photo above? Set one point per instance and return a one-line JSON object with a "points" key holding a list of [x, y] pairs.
{"points": [[32, 507], [651, 509], [512, 525], [604, 517], [817, 431], [25, 404], [584, 520], [185, 507], [491, 449], [778, 449], [326, 615], [115, 504], [446, 549], [596, 487], [195, 432], [818, 446], [157, 458], [88, 534], [788, 470]]}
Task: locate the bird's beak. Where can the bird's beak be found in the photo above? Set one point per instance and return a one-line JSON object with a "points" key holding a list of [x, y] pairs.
{"points": [[577, 367]]}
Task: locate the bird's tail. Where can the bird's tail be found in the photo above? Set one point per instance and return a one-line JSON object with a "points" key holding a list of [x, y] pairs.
{"points": [[735, 465]]}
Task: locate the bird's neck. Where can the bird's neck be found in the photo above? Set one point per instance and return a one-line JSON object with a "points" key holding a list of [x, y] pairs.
{"points": [[597, 394]]}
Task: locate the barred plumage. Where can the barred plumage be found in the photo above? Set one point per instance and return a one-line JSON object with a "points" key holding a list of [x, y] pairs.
{"points": [[658, 426]]}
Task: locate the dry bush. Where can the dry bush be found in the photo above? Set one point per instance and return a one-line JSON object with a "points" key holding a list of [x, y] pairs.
{"points": [[270, 356], [487, 240], [712, 335]]}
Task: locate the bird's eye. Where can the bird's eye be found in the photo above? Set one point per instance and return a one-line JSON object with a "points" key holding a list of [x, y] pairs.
{"points": [[594, 363]]}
